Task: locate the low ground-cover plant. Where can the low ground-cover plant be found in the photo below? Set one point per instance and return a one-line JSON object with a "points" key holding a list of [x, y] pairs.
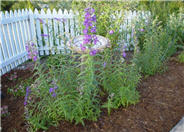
{"points": [[20, 88]]}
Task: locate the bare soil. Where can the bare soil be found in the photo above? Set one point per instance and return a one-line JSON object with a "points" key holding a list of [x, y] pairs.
{"points": [[161, 106]]}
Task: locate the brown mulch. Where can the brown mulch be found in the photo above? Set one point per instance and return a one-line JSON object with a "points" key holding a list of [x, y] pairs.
{"points": [[161, 106]]}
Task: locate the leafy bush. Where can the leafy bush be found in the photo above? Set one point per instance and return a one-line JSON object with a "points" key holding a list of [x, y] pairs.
{"points": [[158, 45], [161, 9], [60, 92], [175, 26], [120, 81]]}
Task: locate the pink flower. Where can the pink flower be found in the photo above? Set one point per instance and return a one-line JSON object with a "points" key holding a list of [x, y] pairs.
{"points": [[111, 32]]}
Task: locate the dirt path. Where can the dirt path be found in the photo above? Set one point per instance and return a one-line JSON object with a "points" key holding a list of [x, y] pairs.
{"points": [[161, 106]]}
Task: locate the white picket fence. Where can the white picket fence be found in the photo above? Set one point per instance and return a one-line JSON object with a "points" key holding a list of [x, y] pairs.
{"points": [[18, 27]]}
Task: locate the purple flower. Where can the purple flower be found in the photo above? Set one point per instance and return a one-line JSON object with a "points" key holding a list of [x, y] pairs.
{"points": [[93, 29], [55, 87], [44, 35], [86, 9], [51, 90], [124, 54], [34, 58], [111, 32], [93, 52], [32, 44], [27, 48], [141, 30], [104, 65], [82, 47], [26, 96], [93, 18], [54, 94], [85, 31], [92, 10]]}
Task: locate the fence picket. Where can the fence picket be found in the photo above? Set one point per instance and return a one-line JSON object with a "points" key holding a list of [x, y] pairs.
{"points": [[38, 32], [50, 30], [61, 32], [56, 20], [4, 48], [32, 26], [45, 33], [66, 23], [20, 34], [14, 38], [7, 39], [71, 15]]}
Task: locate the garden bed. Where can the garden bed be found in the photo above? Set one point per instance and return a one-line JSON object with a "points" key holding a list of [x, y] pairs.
{"points": [[159, 109]]}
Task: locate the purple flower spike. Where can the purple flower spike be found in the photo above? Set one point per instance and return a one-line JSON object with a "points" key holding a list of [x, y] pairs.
{"points": [[90, 27], [124, 54], [111, 32], [26, 96]]}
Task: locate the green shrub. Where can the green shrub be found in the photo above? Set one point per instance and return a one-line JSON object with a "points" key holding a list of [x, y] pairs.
{"points": [[120, 81], [63, 92], [158, 45]]}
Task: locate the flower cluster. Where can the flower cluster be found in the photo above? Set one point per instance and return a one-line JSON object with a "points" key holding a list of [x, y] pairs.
{"points": [[26, 96], [90, 29], [52, 90], [32, 51]]}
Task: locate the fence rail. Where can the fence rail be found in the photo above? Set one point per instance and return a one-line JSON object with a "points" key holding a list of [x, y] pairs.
{"points": [[18, 27]]}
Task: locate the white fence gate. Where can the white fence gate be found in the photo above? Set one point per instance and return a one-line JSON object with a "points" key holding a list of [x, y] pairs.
{"points": [[18, 27]]}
